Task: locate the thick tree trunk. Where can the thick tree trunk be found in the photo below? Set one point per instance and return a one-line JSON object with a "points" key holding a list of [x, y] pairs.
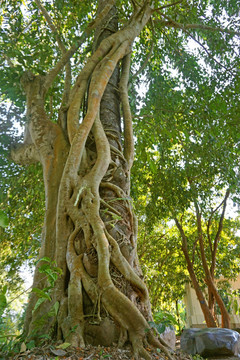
{"points": [[90, 228]]}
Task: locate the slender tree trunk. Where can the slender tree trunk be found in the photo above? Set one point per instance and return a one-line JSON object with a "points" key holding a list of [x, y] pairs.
{"points": [[178, 315], [210, 322], [211, 298], [209, 280], [211, 303], [213, 248]]}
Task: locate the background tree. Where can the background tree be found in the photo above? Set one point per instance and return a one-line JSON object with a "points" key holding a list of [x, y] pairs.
{"points": [[163, 265], [21, 210], [73, 64], [190, 167]]}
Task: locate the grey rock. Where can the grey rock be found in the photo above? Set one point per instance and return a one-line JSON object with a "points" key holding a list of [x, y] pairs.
{"points": [[169, 337], [210, 342]]}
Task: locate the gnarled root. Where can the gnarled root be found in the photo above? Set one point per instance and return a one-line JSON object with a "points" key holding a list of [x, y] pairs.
{"points": [[160, 344]]}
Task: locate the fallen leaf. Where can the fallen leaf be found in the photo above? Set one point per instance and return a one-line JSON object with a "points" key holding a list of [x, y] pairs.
{"points": [[59, 352], [63, 346], [23, 347]]}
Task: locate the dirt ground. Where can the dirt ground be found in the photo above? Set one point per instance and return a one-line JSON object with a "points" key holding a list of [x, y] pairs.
{"points": [[49, 352], [55, 352], [88, 353]]}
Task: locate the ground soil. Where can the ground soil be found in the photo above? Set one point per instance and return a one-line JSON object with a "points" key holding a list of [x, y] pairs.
{"points": [[51, 352], [56, 352]]}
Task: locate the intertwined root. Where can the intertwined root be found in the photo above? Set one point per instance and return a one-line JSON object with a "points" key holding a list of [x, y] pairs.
{"points": [[103, 292], [94, 236], [87, 209]]}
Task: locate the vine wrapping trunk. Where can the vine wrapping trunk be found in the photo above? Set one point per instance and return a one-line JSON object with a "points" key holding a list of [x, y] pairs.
{"points": [[89, 229]]}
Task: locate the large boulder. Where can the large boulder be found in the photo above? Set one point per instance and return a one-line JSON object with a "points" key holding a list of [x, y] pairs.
{"points": [[210, 342]]}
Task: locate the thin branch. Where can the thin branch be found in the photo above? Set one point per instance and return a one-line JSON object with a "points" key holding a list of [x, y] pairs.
{"points": [[199, 219], [210, 223], [209, 277], [211, 28], [51, 25], [62, 62], [9, 61], [194, 249], [183, 236], [145, 62], [168, 5], [135, 4], [182, 27], [8, 335], [127, 116], [220, 226], [67, 55], [67, 85], [26, 290], [208, 232], [176, 25]]}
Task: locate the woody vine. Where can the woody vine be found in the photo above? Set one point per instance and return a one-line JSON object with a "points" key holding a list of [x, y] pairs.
{"points": [[90, 228]]}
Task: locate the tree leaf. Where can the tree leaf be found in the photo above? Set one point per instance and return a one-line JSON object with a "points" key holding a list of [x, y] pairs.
{"points": [[63, 346], [41, 293], [38, 303], [4, 221], [23, 347]]}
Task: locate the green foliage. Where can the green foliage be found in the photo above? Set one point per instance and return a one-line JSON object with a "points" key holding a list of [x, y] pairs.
{"points": [[10, 339], [10, 321], [51, 272], [20, 210], [192, 153], [162, 320], [165, 319], [3, 305], [162, 263], [3, 300], [4, 222], [50, 269], [197, 357], [229, 296], [174, 319], [20, 239], [191, 156]]}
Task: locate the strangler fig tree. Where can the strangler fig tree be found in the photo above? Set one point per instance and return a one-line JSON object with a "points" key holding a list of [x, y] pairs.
{"points": [[72, 60]]}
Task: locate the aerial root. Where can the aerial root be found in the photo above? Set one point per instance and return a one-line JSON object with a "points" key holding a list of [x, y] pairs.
{"points": [[76, 338], [157, 344], [138, 348], [122, 338]]}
